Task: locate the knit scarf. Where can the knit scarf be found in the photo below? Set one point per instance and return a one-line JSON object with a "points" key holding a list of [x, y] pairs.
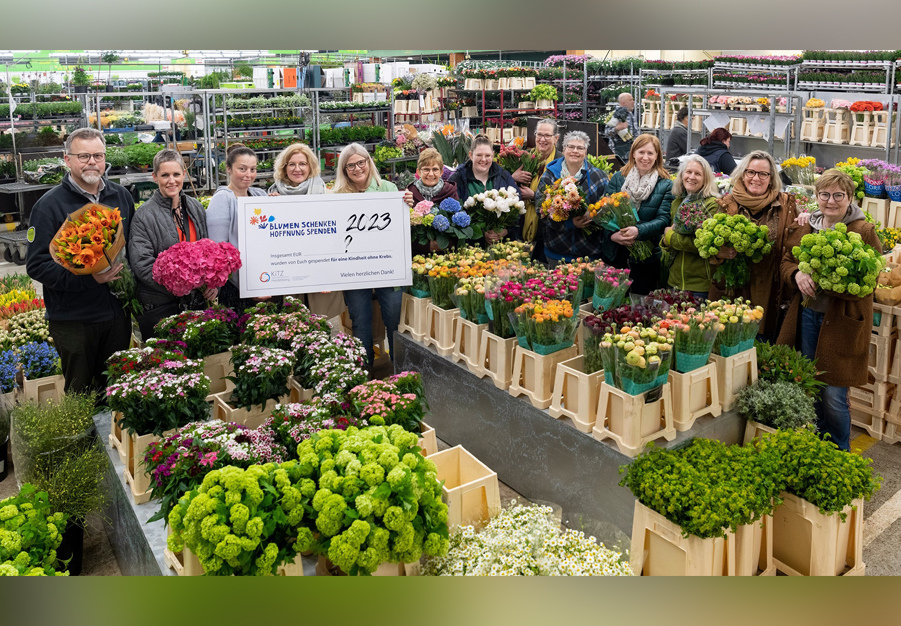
{"points": [[754, 204], [428, 192], [640, 187], [530, 221], [312, 185]]}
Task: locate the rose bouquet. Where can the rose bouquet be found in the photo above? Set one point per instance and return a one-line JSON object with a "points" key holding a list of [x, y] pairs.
{"points": [[564, 200], [694, 333], [642, 357], [584, 268], [331, 364], [496, 209], [610, 287], [739, 323], [469, 297], [616, 212], [261, 374], [179, 463], [190, 265], [430, 222], [736, 231], [155, 401], [545, 327]]}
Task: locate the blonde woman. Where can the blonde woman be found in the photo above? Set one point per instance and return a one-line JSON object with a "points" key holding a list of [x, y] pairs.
{"points": [[297, 172], [357, 173]]}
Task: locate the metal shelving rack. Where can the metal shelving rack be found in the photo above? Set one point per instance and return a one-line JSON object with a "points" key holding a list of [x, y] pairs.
{"points": [[887, 88], [789, 71]]}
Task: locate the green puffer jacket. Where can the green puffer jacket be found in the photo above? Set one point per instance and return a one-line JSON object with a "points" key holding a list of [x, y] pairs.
{"points": [[689, 272], [653, 218]]}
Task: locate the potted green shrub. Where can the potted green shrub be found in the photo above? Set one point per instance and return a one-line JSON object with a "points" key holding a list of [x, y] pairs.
{"points": [[57, 452], [784, 363], [81, 80], [32, 533], [769, 406]]}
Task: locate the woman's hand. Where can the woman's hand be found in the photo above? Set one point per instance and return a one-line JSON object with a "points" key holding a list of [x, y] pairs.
{"points": [[727, 252], [526, 193], [802, 219], [275, 193], [434, 247], [210, 293], [492, 236], [667, 230], [582, 221], [626, 236], [523, 178], [110, 275], [806, 284], [408, 198]]}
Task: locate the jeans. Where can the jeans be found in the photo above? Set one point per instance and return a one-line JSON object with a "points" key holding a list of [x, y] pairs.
{"points": [[833, 410], [359, 306], [701, 296], [84, 348]]}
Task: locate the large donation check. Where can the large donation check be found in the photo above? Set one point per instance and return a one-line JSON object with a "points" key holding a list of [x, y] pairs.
{"points": [[304, 244]]}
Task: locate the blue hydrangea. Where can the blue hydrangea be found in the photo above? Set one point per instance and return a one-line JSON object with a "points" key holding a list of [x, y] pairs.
{"points": [[434, 210], [8, 366], [449, 205], [440, 224], [461, 219], [39, 360]]}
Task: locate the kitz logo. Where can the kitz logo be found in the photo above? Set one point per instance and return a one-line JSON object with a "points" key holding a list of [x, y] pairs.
{"points": [[258, 219], [264, 277]]}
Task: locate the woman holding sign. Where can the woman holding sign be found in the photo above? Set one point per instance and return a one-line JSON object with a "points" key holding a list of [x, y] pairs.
{"points": [[297, 174], [357, 173]]}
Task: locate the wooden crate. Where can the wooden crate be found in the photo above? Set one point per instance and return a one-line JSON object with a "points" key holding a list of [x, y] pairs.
{"points": [[440, 326], [876, 207], [734, 373], [470, 487], [324, 567], [496, 359], [808, 543], [117, 436], [884, 323], [695, 394], [873, 397], [413, 316], [892, 434], [893, 221], [467, 335], [533, 374], [632, 422], [135, 476], [46, 389], [528, 82], [753, 430], [251, 418], [659, 549], [871, 421], [428, 440], [296, 392], [881, 351], [216, 367], [185, 563], [753, 554], [576, 393]]}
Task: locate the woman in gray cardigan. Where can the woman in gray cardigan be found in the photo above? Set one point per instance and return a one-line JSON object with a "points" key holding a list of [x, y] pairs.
{"points": [[167, 218]]}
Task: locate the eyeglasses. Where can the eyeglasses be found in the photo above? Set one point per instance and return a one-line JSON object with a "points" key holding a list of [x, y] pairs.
{"points": [[359, 165], [575, 148], [85, 157], [430, 170], [824, 196], [543, 136], [760, 175]]}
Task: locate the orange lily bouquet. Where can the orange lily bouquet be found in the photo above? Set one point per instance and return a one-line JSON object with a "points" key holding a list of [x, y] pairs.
{"points": [[90, 239]]}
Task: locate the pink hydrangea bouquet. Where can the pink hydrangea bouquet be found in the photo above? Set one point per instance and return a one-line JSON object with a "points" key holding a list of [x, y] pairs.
{"points": [[193, 265]]}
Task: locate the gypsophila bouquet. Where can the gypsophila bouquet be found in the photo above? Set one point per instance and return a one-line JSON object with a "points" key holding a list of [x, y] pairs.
{"points": [[39, 360], [25, 328], [739, 322], [749, 240], [332, 364], [496, 209], [155, 401], [190, 265], [140, 360], [617, 212], [525, 541], [30, 535], [178, 463], [261, 374]]}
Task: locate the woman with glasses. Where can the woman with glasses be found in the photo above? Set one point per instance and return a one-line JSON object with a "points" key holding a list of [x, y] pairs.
{"points": [[546, 147], [651, 190], [833, 328], [757, 194], [480, 173], [565, 241], [430, 186], [357, 173]]}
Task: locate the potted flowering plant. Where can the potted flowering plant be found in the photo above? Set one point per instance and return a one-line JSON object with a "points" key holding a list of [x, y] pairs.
{"points": [[295, 422], [396, 400], [260, 380], [330, 364], [42, 377]]}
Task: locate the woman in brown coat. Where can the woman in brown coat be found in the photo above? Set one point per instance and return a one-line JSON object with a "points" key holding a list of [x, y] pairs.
{"points": [[833, 328], [757, 194]]}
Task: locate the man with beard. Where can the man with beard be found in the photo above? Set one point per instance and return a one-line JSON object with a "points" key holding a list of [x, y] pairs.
{"points": [[87, 323]]}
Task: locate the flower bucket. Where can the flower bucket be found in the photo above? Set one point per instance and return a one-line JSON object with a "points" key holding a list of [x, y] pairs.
{"points": [[602, 304], [545, 350], [690, 362], [894, 192], [522, 341], [873, 190], [747, 344], [419, 293], [730, 350]]}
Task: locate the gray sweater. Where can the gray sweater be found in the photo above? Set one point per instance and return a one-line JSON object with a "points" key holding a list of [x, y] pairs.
{"points": [[221, 216], [152, 231]]}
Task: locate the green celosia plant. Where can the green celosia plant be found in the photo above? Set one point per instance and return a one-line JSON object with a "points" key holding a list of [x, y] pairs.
{"points": [[30, 535], [778, 405], [378, 499]]}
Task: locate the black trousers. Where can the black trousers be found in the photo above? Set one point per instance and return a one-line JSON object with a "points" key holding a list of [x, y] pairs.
{"points": [[84, 348], [151, 317]]}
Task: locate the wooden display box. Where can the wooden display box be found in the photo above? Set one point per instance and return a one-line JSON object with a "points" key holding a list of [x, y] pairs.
{"points": [[873, 397], [734, 373], [413, 316], [753, 549], [472, 84], [496, 359], [879, 362], [753, 430], [878, 208], [893, 221], [46, 389], [185, 563], [117, 436], [871, 421], [251, 418], [892, 434], [632, 422], [470, 487], [525, 104], [135, 476], [695, 394], [883, 320], [440, 326], [216, 367], [838, 126], [533, 374], [466, 343], [296, 392], [324, 567], [808, 543], [861, 129], [576, 393], [528, 82], [428, 440], [542, 104]]}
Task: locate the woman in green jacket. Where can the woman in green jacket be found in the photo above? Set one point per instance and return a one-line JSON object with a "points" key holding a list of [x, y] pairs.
{"points": [[696, 185]]}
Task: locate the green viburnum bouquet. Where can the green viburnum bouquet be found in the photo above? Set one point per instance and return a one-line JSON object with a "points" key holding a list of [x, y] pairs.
{"points": [[29, 535], [839, 261], [378, 498], [261, 374], [749, 240]]}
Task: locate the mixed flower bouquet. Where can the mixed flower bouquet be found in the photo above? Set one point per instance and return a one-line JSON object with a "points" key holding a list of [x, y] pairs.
{"points": [[513, 157], [27, 327], [736, 231], [261, 374], [496, 209], [839, 261], [545, 327], [739, 322], [689, 217], [155, 401], [616, 212], [563, 200], [39, 360], [610, 287], [331, 364], [431, 222], [190, 265], [391, 401]]}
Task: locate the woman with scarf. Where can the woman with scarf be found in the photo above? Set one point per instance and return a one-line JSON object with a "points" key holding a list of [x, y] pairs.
{"points": [[833, 328], [546, 136], [297, 174], [650, 188], [430, 186], [757, 194]]}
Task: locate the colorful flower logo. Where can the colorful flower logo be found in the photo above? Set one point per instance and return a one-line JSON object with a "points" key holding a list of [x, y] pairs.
{"points": [[264, 277]]}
